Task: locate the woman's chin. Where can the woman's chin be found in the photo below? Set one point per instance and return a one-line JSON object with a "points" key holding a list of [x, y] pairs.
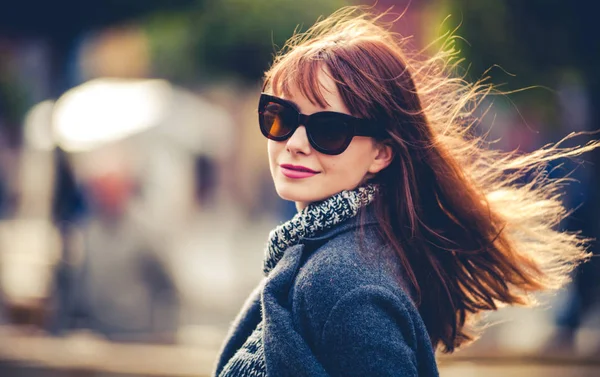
{"points": [[296, 194]]}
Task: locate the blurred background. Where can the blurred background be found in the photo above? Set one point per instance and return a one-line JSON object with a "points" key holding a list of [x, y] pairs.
{"points": [[135, 195]]}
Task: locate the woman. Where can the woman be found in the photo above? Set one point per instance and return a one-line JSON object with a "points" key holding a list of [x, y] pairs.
{"points": [[407, 226]]}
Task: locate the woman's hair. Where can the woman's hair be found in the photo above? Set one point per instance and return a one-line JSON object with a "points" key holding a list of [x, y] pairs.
{"points": [[473, 227]]}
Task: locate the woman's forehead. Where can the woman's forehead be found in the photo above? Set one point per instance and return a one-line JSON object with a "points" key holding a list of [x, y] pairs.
{"points": [[312, 94], [331, 99]]}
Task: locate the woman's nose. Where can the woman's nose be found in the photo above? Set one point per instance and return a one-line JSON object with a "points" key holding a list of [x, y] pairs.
{"points": [[298, 142]]}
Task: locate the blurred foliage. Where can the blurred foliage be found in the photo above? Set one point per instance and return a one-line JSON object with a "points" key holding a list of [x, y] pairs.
{"points": [[171, 44], [229, 37], [538, 42]]}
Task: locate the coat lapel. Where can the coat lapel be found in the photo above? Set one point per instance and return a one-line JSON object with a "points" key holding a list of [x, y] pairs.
{"points": [[286, 352]]}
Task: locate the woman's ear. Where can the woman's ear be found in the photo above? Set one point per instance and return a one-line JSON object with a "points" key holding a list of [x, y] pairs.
{"points": [[384, 156]]}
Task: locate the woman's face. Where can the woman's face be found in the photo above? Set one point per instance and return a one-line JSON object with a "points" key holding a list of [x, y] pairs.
{"points": [[333, 174]]}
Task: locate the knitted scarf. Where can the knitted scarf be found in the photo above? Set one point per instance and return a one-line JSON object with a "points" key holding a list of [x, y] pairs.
{"points": [[315, 218]]}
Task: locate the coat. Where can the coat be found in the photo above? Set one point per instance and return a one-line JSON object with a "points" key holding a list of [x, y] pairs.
{"points": [[333, 306]]}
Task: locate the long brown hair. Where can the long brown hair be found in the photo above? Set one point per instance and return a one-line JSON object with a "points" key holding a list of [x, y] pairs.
{"points": [[469, 235]]}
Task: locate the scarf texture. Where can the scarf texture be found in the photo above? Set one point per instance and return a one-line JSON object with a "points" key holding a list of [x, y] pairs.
{"points": [[315, 218]]}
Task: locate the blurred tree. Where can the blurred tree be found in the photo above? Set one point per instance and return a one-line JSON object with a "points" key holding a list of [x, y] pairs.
{"points": [[540, 41], [242, 35], [171, 41], [230, 37]]}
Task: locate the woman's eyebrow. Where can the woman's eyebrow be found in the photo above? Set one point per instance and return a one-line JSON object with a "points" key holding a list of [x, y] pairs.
{"points": [[292, 103]]}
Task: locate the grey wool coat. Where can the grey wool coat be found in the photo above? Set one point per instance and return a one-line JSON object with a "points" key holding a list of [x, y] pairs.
{"points": [[333, 307]]}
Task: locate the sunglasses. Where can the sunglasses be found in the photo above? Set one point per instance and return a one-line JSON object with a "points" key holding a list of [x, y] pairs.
{"points": [[328, 132]]}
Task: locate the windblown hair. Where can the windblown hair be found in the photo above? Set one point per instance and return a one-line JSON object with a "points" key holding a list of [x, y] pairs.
{"points": [[471, 233]]}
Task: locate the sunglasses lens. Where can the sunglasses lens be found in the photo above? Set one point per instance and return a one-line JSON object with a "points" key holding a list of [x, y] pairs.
{"points": [[277, 120], [330, 133]]}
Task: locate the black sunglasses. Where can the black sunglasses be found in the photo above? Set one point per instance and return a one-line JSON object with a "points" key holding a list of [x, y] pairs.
{"points": [[328, 132]]}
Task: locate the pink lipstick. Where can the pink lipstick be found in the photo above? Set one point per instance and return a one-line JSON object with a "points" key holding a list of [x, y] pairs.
{"points": [[296, 171]]}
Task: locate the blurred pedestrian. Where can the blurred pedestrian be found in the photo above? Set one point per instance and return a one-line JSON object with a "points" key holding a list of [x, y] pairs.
{"points": [[123, 286], [584, 294]]}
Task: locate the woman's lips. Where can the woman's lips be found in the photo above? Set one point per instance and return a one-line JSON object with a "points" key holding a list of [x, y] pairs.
{"points": [[295, 173]]}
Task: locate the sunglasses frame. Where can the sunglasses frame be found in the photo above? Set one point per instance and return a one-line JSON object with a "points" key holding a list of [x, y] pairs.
{"points": [[358, 126]]}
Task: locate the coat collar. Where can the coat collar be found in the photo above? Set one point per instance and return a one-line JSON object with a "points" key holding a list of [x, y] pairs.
{"points": [[284, 347], [366, 219]]}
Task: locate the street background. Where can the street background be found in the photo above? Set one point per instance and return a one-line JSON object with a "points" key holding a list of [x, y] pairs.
{"points": [[135, 194]]}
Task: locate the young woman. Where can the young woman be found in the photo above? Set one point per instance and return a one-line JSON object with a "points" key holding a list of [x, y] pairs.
{"points": [[408, 226]]}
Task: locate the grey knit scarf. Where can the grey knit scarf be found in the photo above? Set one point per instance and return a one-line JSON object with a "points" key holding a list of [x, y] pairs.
{"points": [[315, 218]]}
